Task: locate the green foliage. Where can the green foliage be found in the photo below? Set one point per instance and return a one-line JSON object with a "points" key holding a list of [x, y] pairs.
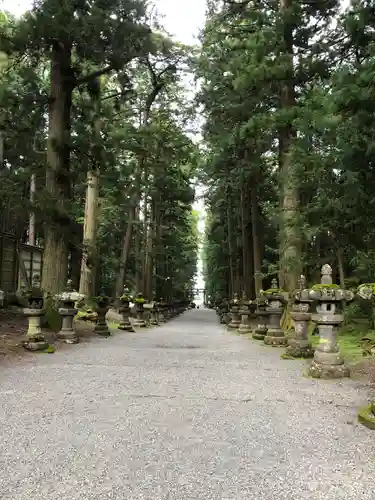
{"points": [[244, 68]]}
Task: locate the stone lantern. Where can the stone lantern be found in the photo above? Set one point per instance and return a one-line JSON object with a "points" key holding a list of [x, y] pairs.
{"points": [[223, 310], [246, 310], [262, 314], [33, 300], [101, 309], [235, 312], [275, 308], [139, 308], [298, 343], [124, 310], [154, 314], [328, 362], [66, 301], [161, 308]]}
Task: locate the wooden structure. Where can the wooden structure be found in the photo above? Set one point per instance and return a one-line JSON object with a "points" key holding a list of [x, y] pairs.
{"points": [[14, 254]]}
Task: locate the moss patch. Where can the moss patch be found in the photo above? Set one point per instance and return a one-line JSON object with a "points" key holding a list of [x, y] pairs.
{"points": [[289, 357], [366, 417], [319, 286], [113, 325]]}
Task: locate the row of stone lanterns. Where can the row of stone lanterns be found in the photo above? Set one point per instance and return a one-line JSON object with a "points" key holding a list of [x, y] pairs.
{"points": [[33, 302], [269, 308]]}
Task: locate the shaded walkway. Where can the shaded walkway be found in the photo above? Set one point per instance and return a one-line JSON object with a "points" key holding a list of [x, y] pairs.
{"points": [[186, 411]]}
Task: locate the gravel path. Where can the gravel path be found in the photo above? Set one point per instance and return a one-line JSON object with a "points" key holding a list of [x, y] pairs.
{"points": [[186, 411]]}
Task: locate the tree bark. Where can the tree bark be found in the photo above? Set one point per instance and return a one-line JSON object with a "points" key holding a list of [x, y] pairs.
{"points": [[120, 282], [230, 245], [340, 265], [149, 269], [32, 234], [257, 254], [290, 252], [55, 259], [89, 256]]}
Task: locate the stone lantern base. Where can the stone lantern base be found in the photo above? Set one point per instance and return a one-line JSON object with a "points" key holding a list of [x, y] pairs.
{"points": [[328, 365], [275, 337], [319, 370], [234, 322], [299, 349], [35, 340], [126, 326], [244, 327], [67, 333], [139, 323], [259, 333]]}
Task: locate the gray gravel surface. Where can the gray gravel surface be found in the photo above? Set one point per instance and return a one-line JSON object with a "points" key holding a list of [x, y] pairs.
{"points": [[185, 411]]}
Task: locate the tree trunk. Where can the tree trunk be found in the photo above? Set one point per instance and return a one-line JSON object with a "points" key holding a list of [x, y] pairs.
{"points": [[230, 246], [55, 258], [290, 252], [149, 270], [32, 234], [340, 265], [125, 254], [257, 254], [246, 278], [89, 256]]}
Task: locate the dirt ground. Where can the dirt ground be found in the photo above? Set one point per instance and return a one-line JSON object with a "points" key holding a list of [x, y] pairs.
{"points": [[13, 327]]}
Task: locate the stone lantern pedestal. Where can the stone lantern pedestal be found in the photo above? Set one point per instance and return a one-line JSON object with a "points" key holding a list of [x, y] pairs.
{"points": [[139, 303], [161, 309], [101, 309], [154, 314], [328, 362], [33, 300], [67, 310], [245, 311], [124, 310], [262, 314], [275, 308], [235, 313], [298, 344]]}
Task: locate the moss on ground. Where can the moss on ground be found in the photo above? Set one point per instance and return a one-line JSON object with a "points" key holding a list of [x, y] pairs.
{"points": [[352, 340], [366, 417]]}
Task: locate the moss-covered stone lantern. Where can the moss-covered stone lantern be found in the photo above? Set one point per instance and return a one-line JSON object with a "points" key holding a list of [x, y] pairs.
{"points": [[328, 361], [101, 309], [139, 309], [261, 314], [33, 302], [67, 310], [246, 310], [298, 342], [124, 310], [275, 308], [235, 312]]}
